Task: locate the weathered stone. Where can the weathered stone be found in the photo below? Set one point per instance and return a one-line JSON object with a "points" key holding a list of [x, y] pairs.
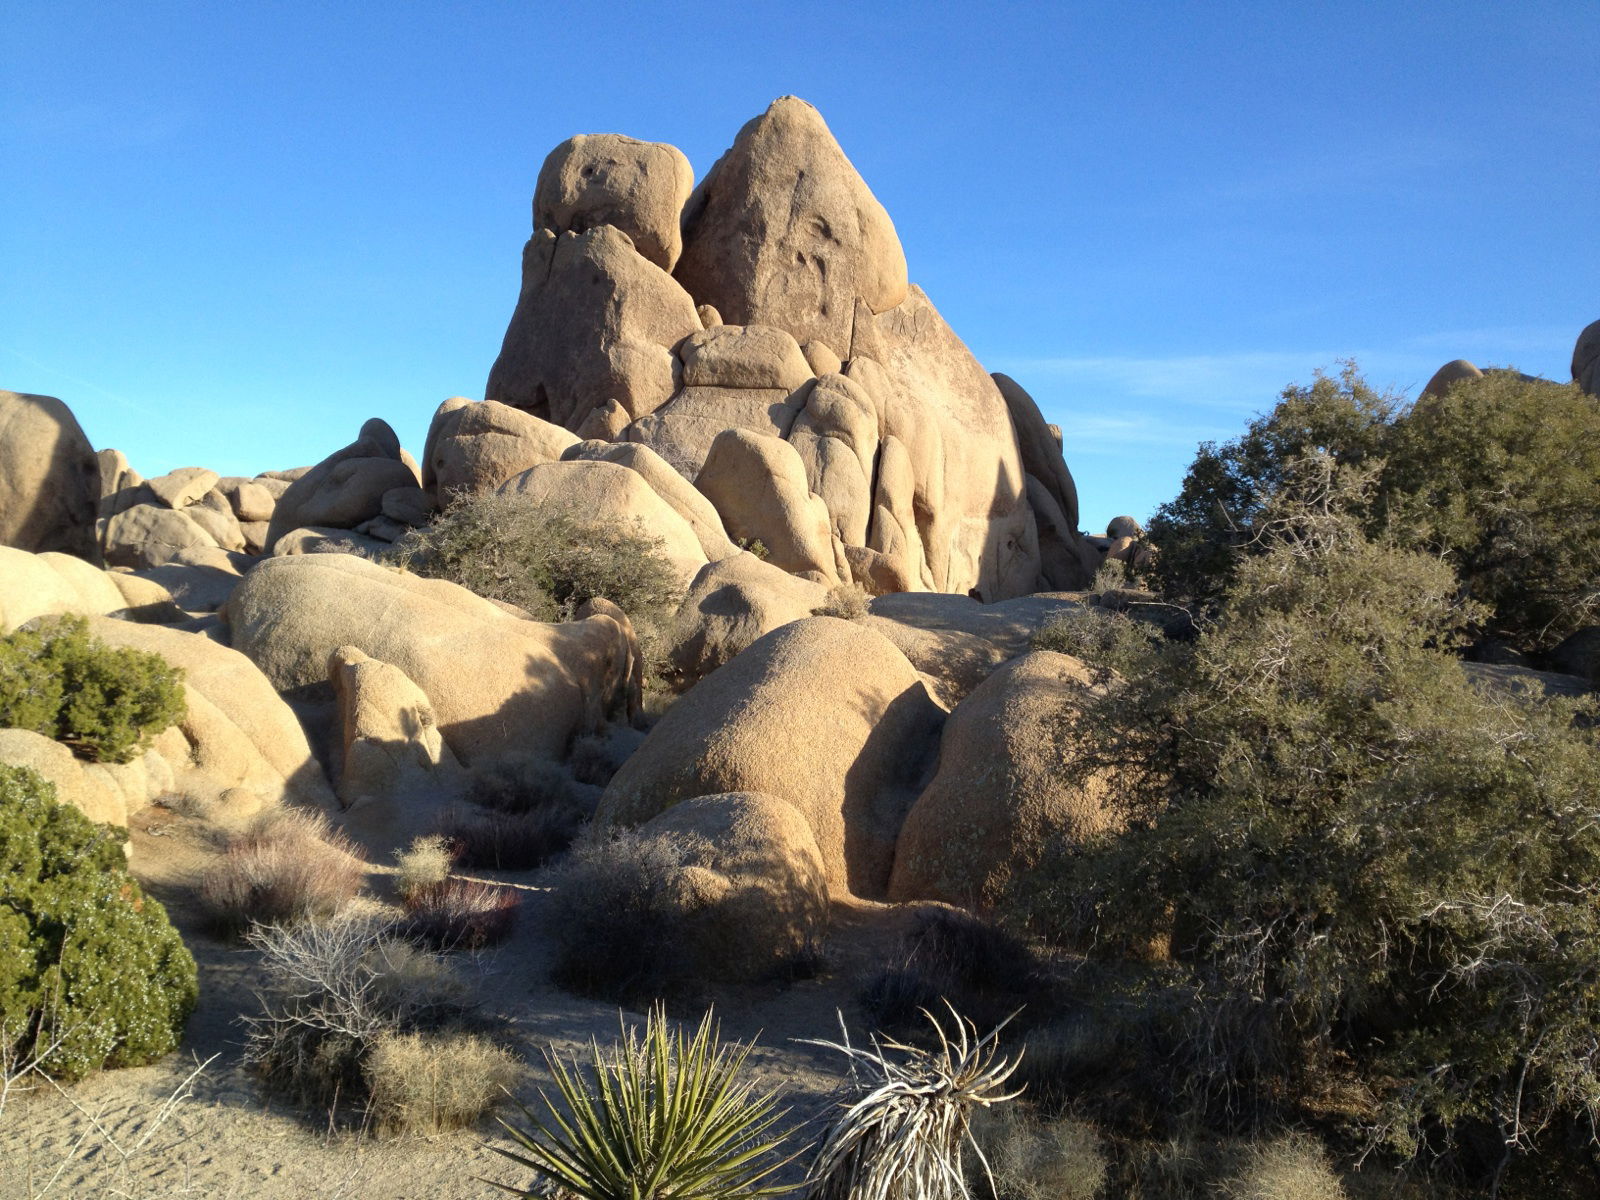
{"points": [[821, 239], [758, 486], [49, 477], [477, 447], [181, 488], [730, 605], [1452, 372], [743, 356], [607, 179], [346, 488], [595, 321], [1586, 359]]}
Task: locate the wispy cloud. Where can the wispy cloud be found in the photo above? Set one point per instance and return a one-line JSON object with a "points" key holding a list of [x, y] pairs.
{"points": [[114, 397]]}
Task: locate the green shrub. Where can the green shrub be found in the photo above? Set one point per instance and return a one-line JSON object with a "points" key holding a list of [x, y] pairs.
{"points": [[546, 563], [1497, 477], [106, 703], [1362, 864], [92, 974]]}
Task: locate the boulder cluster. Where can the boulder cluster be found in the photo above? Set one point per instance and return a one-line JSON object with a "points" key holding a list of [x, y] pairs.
{"points": [[743, 369]]}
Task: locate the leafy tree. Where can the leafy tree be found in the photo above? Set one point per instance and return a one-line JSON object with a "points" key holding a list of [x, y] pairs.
{"points": [[1500, 477], [1361, 862]]}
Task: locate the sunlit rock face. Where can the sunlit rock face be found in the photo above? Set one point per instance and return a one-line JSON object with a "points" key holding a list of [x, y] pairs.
{"points": [[873, 448]]}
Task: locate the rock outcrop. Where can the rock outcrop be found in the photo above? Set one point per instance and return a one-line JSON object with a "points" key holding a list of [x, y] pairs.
{"points": [[49, 477], [498, 683], [346, 488], [821, 713], [1586, 359]]}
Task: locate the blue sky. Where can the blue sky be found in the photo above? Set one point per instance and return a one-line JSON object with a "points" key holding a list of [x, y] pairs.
{"points": [[231, 232]]}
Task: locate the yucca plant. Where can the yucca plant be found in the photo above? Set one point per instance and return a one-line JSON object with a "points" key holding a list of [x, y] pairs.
{"points": [[662, 1117], [903, 1135]]}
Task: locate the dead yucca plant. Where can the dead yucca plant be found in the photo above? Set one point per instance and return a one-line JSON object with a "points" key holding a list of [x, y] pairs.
{"points": [[658, 1116], [903, 1136]]}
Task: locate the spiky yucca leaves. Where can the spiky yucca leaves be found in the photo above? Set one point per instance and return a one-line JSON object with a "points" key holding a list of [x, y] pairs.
{"points": [[654, 1117], [902, 1139]]}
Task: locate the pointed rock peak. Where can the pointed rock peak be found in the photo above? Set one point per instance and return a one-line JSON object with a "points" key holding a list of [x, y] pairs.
{"points": [[783, 231]]}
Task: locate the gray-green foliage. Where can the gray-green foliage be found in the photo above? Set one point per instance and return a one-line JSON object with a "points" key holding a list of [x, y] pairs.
{"points": [[106, 702], [547, 563], [92, 974], [1498, 477], [1357, 857]]}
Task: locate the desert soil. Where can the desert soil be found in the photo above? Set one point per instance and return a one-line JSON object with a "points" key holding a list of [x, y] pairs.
{"points": [[116, 1133]]}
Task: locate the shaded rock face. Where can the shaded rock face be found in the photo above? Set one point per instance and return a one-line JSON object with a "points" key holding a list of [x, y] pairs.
{"points": [[1586, 359], [346, 488], [788, 316], [49, 477], [596, 321]]}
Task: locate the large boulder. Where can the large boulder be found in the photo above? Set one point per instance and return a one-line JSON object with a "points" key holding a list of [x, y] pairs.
{"points": [[686, 500], [86, 790], [607, 492], [607, 179], [783, 231], [822, 713], [753, 883], [477, 447], [184, 486], [347, 487], [1453, 371], [1579, 654], [595, 321], [238, 732], [758, 486], [52, 584], [1000, 797], [733, 603], [394, 771], [148, 535], [498, 683], [683, 429], [49, 477], [1586, 359]]}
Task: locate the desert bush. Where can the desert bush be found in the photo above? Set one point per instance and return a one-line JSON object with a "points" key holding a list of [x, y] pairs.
{"points": [[547, 563], [617, 918], [847, 601], [1293, 1167], [905, 1128], [493, 840], [950, 957], [459, 914], [1032, 1159], [429, 1083], [424, 865], [1109, 576], [105, 702], [1108, 640], [92, 974], [288, 865], [1496, 476], [331, 992], [1361, 863], [665, 1114], [516, 783]]}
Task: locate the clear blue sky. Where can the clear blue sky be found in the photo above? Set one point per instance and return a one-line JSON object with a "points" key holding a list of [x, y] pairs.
{"points": [[229, 232]]}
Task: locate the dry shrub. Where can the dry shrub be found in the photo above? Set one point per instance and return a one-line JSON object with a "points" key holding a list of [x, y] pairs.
{"points": [[488, 839], [330, 992], [847, 601], [595, 758], [427, 863], [617, 919], [460, 914], [1037, 1160], [1294, 1167], [288, 865], [428, 1083], [519, 783], [951, 956]]}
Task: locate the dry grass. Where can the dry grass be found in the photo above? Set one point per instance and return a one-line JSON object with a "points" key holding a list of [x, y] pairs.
{"points": [[459, 914], [424, 865], [1293, 1167], [287, 866], [493, 840], [847, 601], [1038, 1160], [428, 1083]]}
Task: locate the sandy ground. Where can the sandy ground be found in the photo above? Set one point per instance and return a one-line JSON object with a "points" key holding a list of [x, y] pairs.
{"points": [[116, 1134]]}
